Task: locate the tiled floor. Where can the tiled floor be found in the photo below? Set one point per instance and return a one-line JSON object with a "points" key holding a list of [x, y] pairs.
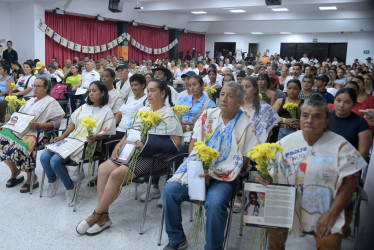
{"points": [[31, 222]]}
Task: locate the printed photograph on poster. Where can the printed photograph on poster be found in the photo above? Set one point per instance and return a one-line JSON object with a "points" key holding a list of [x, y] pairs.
{"points": [[42, 26], [84, 49], [137, 45], [49, 32], [150, 50], [133, 42], [159, 51], [271, 206], [109, 45], [70, 45], [56, 37], [91, 49], [19, 122], [146, 49], [64, 42], [119, 39], [97, 49], [142, 47], [123, 36], [77, 47], [163, 50], [128, 37], [170, 47], [156, 51], [114, 43], [103, 47]]}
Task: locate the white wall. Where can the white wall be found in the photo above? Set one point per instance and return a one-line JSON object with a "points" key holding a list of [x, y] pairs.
{"points": [[4, 20], [357, 42]]}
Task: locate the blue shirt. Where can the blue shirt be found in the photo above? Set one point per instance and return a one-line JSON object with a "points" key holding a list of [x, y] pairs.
{"points": [[329, 98], [195, 109]]}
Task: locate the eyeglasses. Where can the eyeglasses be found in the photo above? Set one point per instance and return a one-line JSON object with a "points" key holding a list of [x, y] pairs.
{"points": [[38, 86]]}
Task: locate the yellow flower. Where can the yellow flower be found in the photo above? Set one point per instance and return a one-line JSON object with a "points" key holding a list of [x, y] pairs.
{"points": [[206, 154], [210, 90], [260, 95], [292, 108], [149, 118], [89, 122], [13, 85], [181, 109]]}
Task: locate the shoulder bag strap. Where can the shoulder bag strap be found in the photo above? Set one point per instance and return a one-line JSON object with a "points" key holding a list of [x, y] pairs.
{"points": [[202, 110]]}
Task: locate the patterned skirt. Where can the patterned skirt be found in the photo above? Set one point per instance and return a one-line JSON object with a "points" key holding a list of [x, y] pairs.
{"points": [[23, 162]]}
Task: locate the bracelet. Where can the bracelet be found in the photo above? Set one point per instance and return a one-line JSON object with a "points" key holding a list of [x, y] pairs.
{"points": [[284, 120]]}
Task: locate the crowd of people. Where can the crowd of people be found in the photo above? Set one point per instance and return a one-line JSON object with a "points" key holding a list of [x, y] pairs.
{"points": [[334, 123]]}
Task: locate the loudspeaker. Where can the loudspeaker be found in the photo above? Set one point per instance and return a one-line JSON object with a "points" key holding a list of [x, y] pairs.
{"points": [[273, 2], [115, 5]]}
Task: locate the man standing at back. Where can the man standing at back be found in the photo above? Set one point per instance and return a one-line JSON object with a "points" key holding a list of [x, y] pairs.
{"points": [[305, 59], [67, 67], [10, 55]]}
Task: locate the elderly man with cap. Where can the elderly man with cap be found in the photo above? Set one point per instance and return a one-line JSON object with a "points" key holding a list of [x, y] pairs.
{"points": [[133, 67], [123, 85], [40, 67], [166, 75], [185, 77], [321, 81], [369, 64]]}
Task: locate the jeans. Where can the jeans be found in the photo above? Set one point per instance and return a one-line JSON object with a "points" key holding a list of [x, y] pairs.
{"points": [[283, 132], [73, 100], [54, 165], [218, 196]]}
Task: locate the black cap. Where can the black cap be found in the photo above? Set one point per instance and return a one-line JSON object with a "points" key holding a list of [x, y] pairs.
{"points": [[122, 66], [369, 58], [167, 72], [188, 74], [322, 77], [241, 74]]}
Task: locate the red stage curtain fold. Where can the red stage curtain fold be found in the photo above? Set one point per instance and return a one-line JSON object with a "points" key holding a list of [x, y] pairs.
{"points": [[82, 30], [151, 37], [188, 41]]}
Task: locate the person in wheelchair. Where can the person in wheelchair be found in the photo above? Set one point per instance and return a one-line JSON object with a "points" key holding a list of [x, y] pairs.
{"points": [[112, 175], [230, 132]]}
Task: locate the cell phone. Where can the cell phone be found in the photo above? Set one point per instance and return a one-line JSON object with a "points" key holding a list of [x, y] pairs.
{"points": [[367, 112]]}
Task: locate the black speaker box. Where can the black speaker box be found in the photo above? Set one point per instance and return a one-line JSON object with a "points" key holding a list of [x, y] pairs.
{"points": [[273, 2], [115, 5]]}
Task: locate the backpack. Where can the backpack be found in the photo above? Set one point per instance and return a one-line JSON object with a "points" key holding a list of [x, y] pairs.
{"points": [[58, 91]]}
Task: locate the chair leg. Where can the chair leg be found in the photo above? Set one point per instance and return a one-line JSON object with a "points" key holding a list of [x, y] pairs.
{"points": [[136, 190], [161, 227], [80, 166], [242, 215], [42, 185], [146, 204], [32, 180], [191, 211], [228, 226]]}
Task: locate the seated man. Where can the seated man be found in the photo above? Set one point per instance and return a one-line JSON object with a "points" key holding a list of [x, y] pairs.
{"points": [[232, 135]]}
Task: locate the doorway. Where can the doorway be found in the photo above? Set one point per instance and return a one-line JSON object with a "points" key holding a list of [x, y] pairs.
{"points": [[252, 48], [223, 47]]}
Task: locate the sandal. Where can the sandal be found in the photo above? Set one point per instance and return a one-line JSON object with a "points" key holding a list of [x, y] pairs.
{"points": [[14, 181], [27, 186], [83, 226]]}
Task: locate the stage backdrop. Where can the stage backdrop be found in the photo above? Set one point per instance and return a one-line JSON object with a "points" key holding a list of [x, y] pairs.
{"points": [[82, 30], [188, 41]]}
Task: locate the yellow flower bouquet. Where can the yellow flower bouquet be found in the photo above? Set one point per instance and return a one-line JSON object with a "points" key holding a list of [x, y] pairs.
{"points": [[90, 123], [207, 156], [148, 119], [14, 103], [180, 110], [210, 91], [292, 108], [260, 95], [12, 86], [264, 155]]}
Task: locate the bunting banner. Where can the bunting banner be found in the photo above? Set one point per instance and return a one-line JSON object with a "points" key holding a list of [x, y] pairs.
{"points": [[103, 47]]}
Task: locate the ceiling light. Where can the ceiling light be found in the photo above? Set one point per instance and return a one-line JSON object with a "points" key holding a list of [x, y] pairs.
{"points": [[285, 33], [99, 18], [138, 8], [256, 33], [229, 33], [328, 8], [279, 9], [58, 11], [228, 8], [237, 11], [198, 12]]}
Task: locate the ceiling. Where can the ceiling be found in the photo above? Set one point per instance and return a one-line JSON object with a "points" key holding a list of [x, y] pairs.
{"points": [[303, 16]]}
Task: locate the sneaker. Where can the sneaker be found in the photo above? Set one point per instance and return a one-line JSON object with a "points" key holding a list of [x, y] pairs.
{"points": [[160, 201], [153, 194], [179, 246], [70, 196], [75, 175], [52, 188]]}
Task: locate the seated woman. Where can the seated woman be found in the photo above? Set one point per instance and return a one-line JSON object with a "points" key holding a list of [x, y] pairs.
{"points": [[74, 78], [264, 83], [115, 98], [324, 176], [111, 175], [24, 86], [212, 74], [20, 154], [17, 70], [5, 80], [96, 108], [289, 124]]}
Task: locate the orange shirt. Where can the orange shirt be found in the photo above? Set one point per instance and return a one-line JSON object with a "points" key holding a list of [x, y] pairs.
{"points": [[265, 60]]}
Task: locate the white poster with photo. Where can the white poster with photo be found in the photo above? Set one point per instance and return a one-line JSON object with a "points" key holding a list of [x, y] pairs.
{"points": [[103, 47], [42, 26], [97, 49], [133, 42], [114, 43], [142, 47], [271, 206], [84, 49], [19, 123], [163, 50], [124, 36], [49, 32], [156, 51], [150, 50], [109, 45], [159, 51], [56, 37], [66, 147], [70, 45], [64, 42], [137, 45], [119, 39], [91, 49], [128, 37], [145, 49], [170, 47], [77, 47]]}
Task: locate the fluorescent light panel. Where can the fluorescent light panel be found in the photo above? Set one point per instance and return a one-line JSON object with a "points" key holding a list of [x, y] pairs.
{"points": [[279, 9], [328, 8], [229, 33], [237, 11], [198, 12], [285, 33], [256, 33]]}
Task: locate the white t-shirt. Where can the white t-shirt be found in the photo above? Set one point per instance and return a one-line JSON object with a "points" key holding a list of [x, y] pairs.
{"points": [[226, 66], [289, 78], [218, 79], [89, 77], [305, 60], [21, 84], [184, 93], [179, 73], [332, 91], [128, 111], [57, 75], [196, 70]]}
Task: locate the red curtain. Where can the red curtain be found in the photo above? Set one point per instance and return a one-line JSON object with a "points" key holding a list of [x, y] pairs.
{"points": [[82, 30], [150, 37], [188, 41]]}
